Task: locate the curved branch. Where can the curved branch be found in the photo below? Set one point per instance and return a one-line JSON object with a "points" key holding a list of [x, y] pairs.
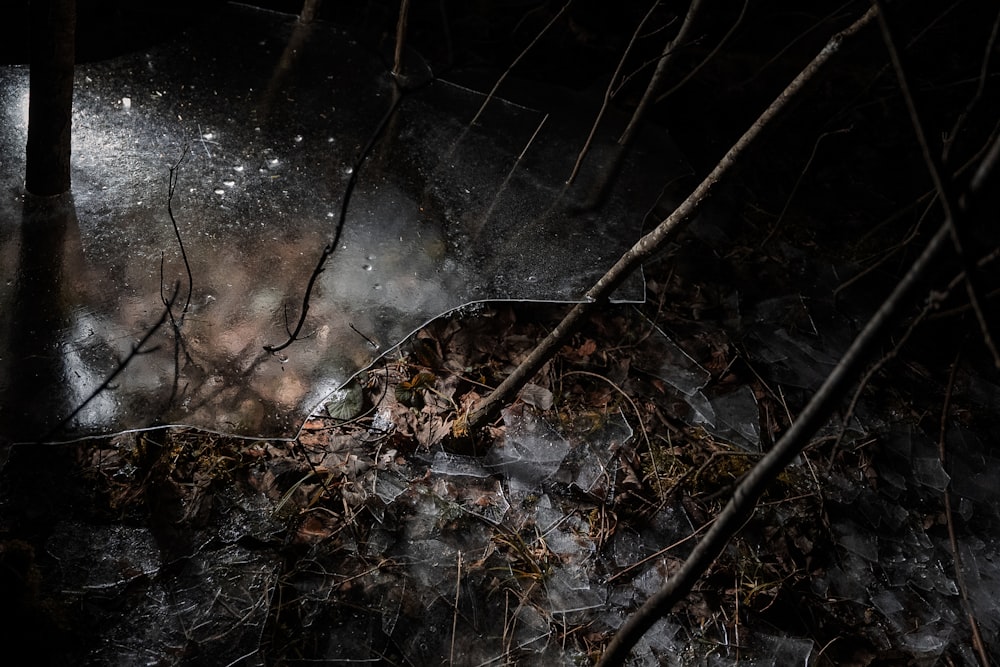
{"points": [[330, 247]]}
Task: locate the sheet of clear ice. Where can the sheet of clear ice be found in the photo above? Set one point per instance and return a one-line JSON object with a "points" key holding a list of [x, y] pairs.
{"points": [[271, 116]]}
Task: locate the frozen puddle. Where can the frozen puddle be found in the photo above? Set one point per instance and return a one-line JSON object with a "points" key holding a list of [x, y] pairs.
{"points": [[271, 117]]}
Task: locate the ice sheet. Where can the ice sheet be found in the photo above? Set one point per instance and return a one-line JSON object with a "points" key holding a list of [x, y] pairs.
{"points": [[272, 116]]}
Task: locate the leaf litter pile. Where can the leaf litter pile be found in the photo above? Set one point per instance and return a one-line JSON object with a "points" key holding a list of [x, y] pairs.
{"points": [[386, 532]]}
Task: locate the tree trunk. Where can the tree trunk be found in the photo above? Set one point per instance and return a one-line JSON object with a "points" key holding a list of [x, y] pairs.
{"points": [[50, 106]]}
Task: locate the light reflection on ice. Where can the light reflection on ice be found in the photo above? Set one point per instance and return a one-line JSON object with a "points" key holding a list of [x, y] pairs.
{"points": [[444, 208]]}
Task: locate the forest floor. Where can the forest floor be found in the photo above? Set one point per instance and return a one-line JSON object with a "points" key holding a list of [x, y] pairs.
{"points": [[383, 533]]}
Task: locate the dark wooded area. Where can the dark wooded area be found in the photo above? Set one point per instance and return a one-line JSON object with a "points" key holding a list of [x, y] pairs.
{"points": [[889, 511]]}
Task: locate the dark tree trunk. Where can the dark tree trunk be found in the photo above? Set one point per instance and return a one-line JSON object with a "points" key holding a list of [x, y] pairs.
{"points": [[50, 106]]}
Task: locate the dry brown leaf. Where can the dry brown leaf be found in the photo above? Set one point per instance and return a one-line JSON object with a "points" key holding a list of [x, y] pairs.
{"points": [[315, 527]]}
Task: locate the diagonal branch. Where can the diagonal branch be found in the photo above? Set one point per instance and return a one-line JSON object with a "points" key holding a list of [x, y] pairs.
{"points": [[490, 407]]}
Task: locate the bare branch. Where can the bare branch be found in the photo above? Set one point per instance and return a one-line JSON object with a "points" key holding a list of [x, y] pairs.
{"points": [[330, 247], [744, 501], [171, 189], [490, 407], [697, 68], [614, 79], [661, 69], [945, 190], [523, 53], [741, 506], [397, 63]]}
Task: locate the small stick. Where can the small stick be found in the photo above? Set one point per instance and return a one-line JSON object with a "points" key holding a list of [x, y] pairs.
{"points": [[704, 61], [977, 637], [611, 84], [171, 189]]}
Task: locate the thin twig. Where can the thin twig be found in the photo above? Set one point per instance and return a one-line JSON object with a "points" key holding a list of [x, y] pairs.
{"points": [[611, 85], [977, 637], [330, 247], [454, 618], [521, 55], [983, 75], [638, 418], [813, 26], [397, 62], [661, 69], [661, 552], [928, 198], [495, 200], [949, 201], [122, 365], [697, 68], [171, 189], [795, 188]]}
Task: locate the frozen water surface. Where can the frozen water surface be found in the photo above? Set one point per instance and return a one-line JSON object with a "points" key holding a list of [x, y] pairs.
{"points": [[264, 120]]}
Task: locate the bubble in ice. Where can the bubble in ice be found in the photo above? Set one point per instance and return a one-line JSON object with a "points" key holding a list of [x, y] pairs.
{"points": [[220, 191], [126, 103], [377, 286], [298, 138], [208, 136], [238, 168], [367, 267], [349, 170], [272, 162], [229, 182], [532, 279]]}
